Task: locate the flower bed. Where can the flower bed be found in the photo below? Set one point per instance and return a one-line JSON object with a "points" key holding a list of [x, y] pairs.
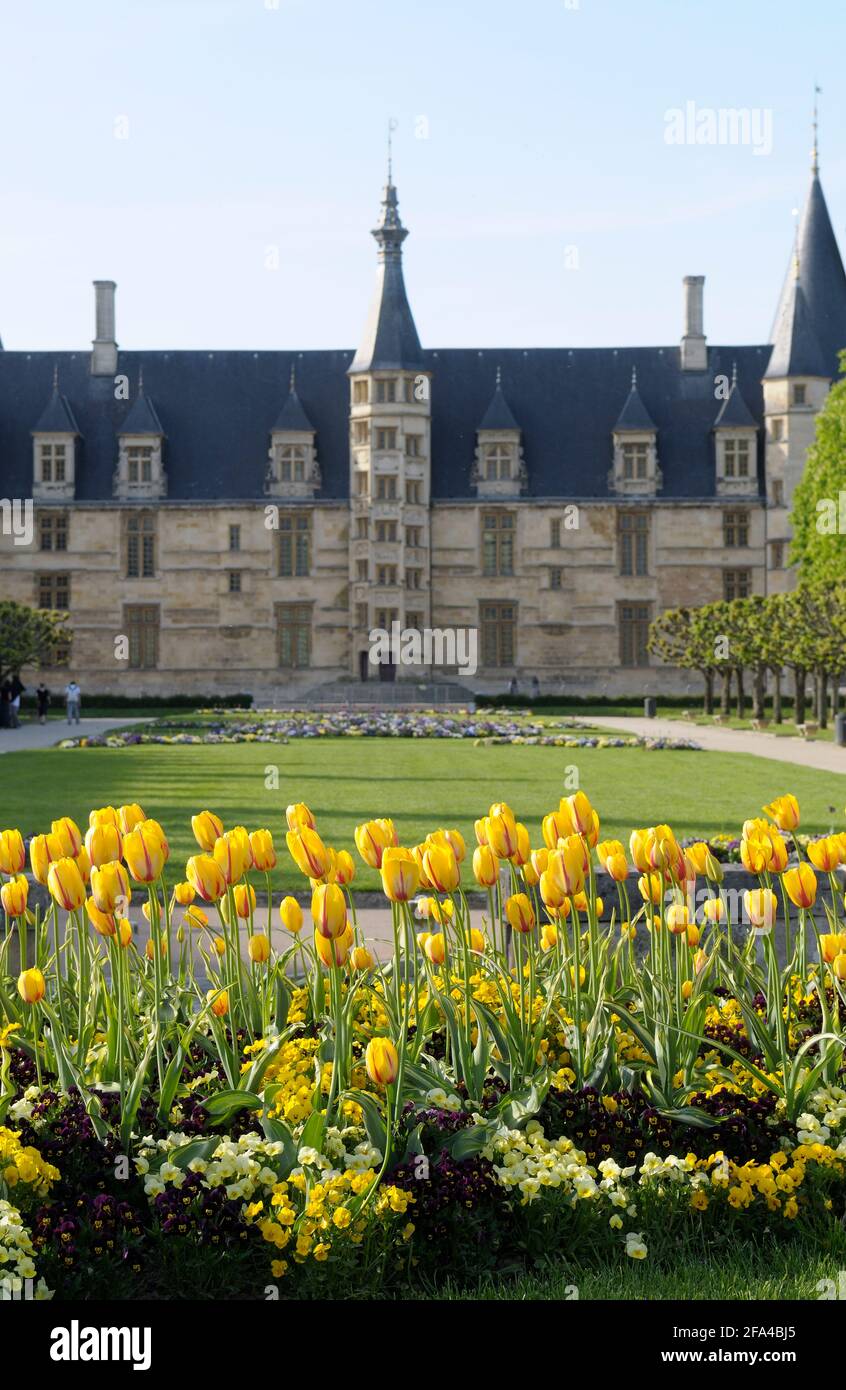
{"points": [[495, 728], [276, 1107]]}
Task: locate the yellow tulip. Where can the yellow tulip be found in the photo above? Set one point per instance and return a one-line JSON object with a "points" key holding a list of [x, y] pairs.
{"points": [[800, 884], [44, 850], [761, 907], [69, 835], [31, 986], [522, 853], [784, 811], [231, 852], [206, 877], [258, 948], [713, 910], [207, 828], [291, 915], [434, 947], [361, 959], [480, 829], [554, 827], [66, 885], [426, 908], [677, 918], [195, 917], [825, 854], [103, 843], [344, 867], [102, 922], [441, 867], [519, 912], [476, 941], [700, 960], [501, 830], [686, 989], [580, 812], [299, 817], [372, 838], [219, 1003], [382, 1061], [831, 945], [612, 857], [144, 853], [456, 839], [838, 966], [184, 894], [548, 936], [531, 877], [698, 855], [13, 895], [485, 866], [264, 855], [124, 931], [110, 887], [713, 869], [130, 816], [105, 815], [333, 951], [651, 887], [638, 846], [245, 900], [567, 865], [12, 852], [400, 874], [308, 852], [329, 910]]}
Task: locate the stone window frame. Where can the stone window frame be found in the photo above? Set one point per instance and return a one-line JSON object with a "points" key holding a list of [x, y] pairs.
{"points": [[53, 527], [142, 622], [736, 524], [294, 543], [498, 632], [498, 541], [633, 540], [737, 583], [633, 620], [140, 544], [293, 621]]}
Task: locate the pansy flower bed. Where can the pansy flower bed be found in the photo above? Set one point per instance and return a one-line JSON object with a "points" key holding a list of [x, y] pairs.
{"points": [[241, 1097], [488, 728]]}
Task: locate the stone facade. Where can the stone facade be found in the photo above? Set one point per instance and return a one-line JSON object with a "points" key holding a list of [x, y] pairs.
{"points": [[175, 582]]}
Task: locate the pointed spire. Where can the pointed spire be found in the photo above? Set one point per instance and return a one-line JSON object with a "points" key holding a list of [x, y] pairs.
{"points": [[292, 416], [734, 413], [815, 152], [810, 325], [634, 415], [390, 337], [57, 416], [142, 417], [498, 415]]}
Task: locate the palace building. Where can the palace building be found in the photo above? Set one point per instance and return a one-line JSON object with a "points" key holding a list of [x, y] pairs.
{"points": [[245, 519]]}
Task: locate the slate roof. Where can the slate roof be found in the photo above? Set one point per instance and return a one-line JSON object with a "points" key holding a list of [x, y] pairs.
{"points": [[219, 408], [809, 331], [390, 337], [292, 416]]}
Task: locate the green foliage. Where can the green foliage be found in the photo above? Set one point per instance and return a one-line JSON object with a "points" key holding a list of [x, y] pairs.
{"points": [[819, 549], [27, 635]]}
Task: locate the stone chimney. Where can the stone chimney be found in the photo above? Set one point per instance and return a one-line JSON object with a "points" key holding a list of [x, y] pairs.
{"points": [[694, 351], [104, 355]]}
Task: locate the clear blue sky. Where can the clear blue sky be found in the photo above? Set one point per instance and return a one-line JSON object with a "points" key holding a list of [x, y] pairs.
{"points": [[252, 127]]}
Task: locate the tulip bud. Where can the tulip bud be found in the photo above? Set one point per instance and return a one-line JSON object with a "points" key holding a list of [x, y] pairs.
{"points": [[441, 867], [12, 852], [13, 896], [206, 877], [329, 910], [219, 1003], [308, 852], [145, 852], [361, 959], [687, 989], [184, 894], [372, 838], [400, 874], [245, 900], [130, 816], [519, 913], [485, 866], [298, 816], [434, 948], [124, 931], [264, 855], [69, 836], [344, 867], [31, 986], [333, 951], [110, 887], [800, 884], [102, 922], [291, 915], [258, 948], [103, 844]]}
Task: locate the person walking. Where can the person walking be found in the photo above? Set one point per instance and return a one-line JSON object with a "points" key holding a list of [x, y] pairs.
{"points": [[16, 691], [6, 704], [42, 702], [73, 699]]}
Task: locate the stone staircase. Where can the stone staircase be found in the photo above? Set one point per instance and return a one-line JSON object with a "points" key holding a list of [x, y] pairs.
{"points": [[381, 695]]}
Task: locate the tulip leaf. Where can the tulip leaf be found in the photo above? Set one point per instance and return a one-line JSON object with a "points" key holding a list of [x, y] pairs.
{"points": [[221, 1106], [284, 996], [373, 1122], [313, 1131], [132, 1100], [468, 1141], [277, 1131], [196, 1148]]}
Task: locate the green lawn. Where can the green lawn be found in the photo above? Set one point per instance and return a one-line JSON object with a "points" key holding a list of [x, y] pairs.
{"points": [[420, 783]]}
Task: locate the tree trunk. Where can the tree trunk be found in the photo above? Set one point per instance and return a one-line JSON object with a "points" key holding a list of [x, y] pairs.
{"points": [[822, 717], [777, 714], [799, 697], [758, 692], [741, 693], [725, 693], [709, 691]]}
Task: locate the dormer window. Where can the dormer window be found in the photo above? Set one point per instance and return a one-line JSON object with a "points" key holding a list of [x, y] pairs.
{"points": [[386, 391], [736, 440], [293, 470], [635, 453], [54, 449], [499, 470], [140, 469]]}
